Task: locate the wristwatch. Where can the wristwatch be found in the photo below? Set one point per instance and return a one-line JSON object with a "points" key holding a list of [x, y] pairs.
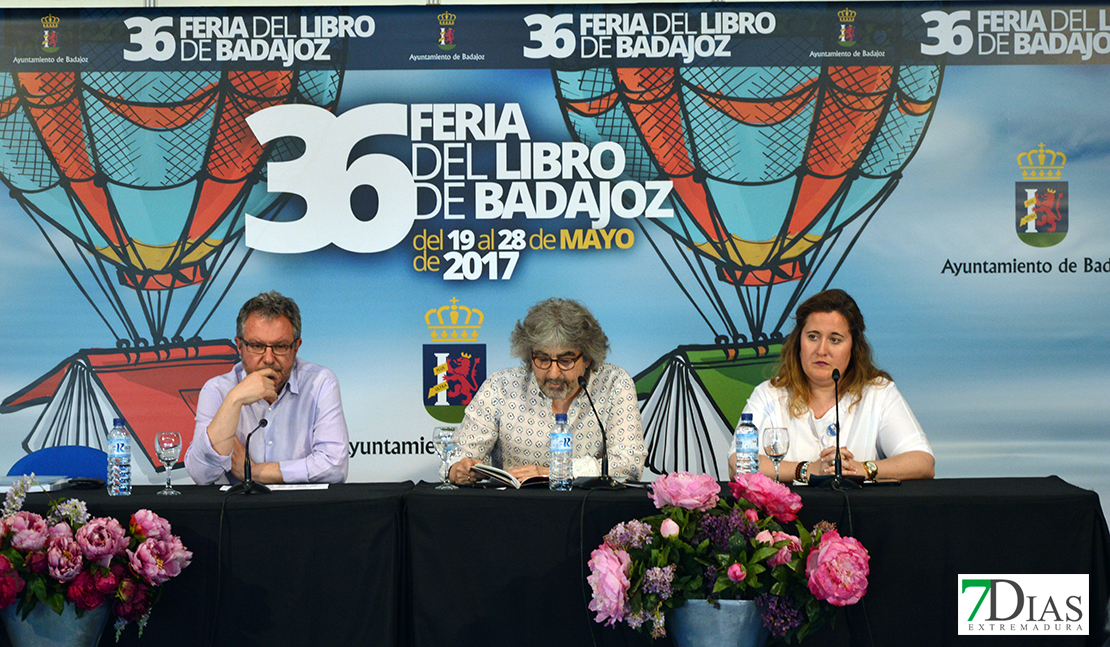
{"points": [[872, 470]]}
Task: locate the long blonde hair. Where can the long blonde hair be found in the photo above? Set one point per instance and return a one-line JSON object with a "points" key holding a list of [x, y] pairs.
{"points": [[861, 369]]}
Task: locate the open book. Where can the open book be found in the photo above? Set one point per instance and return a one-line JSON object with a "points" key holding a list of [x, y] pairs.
{"points": [[501, 476]]}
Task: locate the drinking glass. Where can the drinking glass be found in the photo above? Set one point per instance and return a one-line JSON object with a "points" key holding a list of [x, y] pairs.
{"points": [[168, 446], [444, 440], [776, 442]]}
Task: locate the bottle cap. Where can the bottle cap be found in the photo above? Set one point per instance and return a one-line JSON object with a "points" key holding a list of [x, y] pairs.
{"points": [[560, 417], [745, 417], [117, 422]]}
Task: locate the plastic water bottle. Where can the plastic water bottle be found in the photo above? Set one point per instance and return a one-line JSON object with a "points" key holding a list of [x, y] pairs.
{"points": [[562, 455], [747, 445], [119, 459]]}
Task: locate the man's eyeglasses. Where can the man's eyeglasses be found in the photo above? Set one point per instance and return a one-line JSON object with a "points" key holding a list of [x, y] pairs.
{"points": [[255, 348], [543, 362]]}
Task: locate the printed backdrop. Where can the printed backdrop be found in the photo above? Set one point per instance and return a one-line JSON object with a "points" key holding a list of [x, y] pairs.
{"points": [[417, 177]]}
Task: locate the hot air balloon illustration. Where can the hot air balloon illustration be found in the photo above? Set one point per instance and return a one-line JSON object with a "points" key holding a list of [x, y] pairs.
{"points": [[776, 170], [139, 180]]}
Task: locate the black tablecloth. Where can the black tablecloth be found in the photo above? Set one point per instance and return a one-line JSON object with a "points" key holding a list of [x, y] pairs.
{"points": [[319, 567], [489, 567], [506, 567], [923, 534], [393, 565]]}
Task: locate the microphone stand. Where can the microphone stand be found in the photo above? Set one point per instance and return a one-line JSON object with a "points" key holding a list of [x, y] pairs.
{"points": [[838, 479], [248, 486], [603, 482]]}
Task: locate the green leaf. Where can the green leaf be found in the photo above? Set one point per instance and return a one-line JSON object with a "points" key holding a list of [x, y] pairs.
{"points": [[25, 606], [57, 602], [14, 556], [37, 587], [803, 534]]}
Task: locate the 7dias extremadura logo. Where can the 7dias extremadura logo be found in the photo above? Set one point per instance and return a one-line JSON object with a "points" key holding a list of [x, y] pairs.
{"points": [[1047, 605]]}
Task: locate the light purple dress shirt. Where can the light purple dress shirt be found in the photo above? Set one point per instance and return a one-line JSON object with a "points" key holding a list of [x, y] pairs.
{"points": [[306, 433]]}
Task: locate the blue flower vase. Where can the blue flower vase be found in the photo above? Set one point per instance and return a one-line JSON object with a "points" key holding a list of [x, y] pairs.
{"points": [[736, 624], [44, 628]]}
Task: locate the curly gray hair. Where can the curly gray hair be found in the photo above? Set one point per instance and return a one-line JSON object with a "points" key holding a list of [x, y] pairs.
{"points": [[559, 323]]}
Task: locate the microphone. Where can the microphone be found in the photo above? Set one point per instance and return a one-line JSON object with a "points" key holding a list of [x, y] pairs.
{"points": [[838, 479], [603, 482], [248, 486]]}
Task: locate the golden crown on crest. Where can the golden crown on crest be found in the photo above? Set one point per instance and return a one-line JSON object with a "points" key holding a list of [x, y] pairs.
{"points": [[846, 15], [51, 21], [1041, 164], [446, 19], [454, 327]]}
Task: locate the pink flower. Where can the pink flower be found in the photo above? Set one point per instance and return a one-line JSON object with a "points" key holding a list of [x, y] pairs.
{"points": [[36, 562], [60, 530], [134, 600], [156, 561], [608, 578], [107, 583], [786, 553], [751, 515], [736, 573], [11, 584], [668, 528], [773, 498], [29, 531], [63, 559], [102, 539], [84, 593], [837, 569], [147, 525], [685, 490]]}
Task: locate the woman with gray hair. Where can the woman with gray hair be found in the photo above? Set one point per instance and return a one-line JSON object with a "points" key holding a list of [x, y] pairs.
{"points": [[508, 422]]}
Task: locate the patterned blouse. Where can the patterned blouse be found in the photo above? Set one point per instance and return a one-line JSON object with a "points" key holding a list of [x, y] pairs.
{"points": [[509, 421]]}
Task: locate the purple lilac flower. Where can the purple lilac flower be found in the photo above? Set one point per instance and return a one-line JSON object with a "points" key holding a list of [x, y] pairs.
{"points": [[658, 624], [629, 534], [13, 502], [71, 511], [658, 580], [634, 620], [780, 613], [824, 526], [710, 579], [718, 528]]}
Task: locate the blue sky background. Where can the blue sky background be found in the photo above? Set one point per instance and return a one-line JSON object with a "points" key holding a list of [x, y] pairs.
{"points": [[1007, 373]]}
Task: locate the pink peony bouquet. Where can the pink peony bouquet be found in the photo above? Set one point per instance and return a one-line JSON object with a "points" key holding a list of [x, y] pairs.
{"points": [[70, 557], [705, 547]]}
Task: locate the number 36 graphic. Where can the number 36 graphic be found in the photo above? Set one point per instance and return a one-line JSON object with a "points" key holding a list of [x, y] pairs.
{"points": [[322, 177]]}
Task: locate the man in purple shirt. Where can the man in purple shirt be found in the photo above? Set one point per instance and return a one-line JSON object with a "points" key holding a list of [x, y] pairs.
{"points": [[305, 438]]}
